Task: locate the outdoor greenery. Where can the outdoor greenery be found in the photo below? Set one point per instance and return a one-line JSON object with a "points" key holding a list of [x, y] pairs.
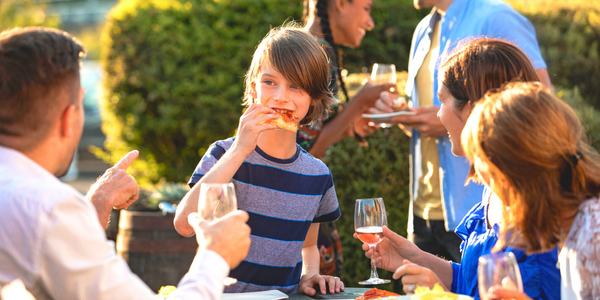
{"points": [[20, 13], [174, 83], [569, 35]]}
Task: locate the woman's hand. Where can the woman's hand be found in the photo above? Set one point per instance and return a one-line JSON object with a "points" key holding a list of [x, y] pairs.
{"points": [[251, 125], [369, 93], [506, 292], [362, 127], [307, 285], [391, 251], [413, 275]]}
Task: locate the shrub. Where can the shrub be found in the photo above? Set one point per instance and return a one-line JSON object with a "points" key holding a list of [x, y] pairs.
{"points": [[569, 37], [589, 116], [174, 77], [379, 170], [389, 42]]}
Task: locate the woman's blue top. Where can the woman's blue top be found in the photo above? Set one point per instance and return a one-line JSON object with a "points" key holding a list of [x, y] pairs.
{"points": [[541, 278]]}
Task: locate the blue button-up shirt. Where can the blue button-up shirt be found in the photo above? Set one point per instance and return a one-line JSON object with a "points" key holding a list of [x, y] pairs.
{"points": [[541, 277], [463, 19]]}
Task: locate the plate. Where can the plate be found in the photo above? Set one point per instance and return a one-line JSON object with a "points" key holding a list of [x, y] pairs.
{"points": [[388, 116], [264, 295]]}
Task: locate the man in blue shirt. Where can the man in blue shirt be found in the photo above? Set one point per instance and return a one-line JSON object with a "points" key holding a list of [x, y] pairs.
{"points": [[440, 199]]}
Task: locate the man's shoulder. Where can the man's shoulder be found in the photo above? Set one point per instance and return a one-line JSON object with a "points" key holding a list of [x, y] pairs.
{"points": [[489, 7]]}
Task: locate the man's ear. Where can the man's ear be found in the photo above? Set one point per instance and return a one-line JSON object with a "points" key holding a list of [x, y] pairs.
{"points": [[67, 121]]}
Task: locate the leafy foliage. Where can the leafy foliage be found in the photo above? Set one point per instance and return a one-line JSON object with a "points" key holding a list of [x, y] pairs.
{"points": [[569, 37], [21, 13]]}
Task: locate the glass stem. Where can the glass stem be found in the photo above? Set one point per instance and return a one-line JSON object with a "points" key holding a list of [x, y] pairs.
{"points": [[373, 263]]}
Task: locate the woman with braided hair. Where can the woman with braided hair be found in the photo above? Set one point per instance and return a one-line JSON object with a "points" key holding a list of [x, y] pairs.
{"points": [[334, 23]]}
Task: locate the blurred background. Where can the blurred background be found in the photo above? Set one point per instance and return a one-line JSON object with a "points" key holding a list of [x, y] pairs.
{"points": [[166, 77]]}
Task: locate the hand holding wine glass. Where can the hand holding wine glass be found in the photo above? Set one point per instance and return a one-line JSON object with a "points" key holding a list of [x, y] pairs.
{"points": [[215, 201], [498, 270], [369, 219]]}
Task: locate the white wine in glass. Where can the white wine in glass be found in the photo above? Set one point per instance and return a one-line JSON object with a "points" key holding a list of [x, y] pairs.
{"points": [[369, 219], [498, 269]]}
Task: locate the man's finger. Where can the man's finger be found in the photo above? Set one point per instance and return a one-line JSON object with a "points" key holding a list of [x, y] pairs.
{"points": [[426, 109], [124, 163]]}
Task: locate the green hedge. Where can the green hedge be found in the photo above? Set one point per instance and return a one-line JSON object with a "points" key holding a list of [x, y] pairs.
{"points": [[174, 77], [569, 35]]}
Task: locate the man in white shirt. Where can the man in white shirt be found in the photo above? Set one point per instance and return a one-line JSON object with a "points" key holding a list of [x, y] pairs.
{"points": [[51, 237]]}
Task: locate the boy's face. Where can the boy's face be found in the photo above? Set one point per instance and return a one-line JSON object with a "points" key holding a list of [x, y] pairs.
{"points": [[271, 89]]}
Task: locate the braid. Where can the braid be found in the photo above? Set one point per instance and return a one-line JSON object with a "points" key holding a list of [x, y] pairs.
{"points": [[322, 14]]}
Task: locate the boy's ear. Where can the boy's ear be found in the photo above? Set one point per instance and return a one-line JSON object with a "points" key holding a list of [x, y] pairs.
{"points": [[253, 90]]}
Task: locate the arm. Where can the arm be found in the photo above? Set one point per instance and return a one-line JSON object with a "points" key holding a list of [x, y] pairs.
{"points": [[393, 249], [250, 128], [115, 188], [310, 267], [336, 129]]}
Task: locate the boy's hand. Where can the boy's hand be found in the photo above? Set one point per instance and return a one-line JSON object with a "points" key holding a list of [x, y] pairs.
{"points": [[251, 125], [334, 284]]}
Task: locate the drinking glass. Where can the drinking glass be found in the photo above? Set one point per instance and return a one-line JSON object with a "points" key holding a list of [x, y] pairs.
{"points": [[217, 200], [498, 269], [369, 218], [382, 74]]}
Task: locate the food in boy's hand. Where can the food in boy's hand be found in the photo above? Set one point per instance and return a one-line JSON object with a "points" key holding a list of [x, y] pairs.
{"points": [[375, 294], [399, 104], [286, 120]]}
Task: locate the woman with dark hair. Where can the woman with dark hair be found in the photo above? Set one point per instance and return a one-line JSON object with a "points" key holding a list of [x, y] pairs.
{"points": [[468, 73], [548, 177], [335, 23]]}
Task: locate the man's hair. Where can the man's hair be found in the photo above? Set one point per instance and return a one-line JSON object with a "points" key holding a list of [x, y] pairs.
{"points": [[297, 55], [479, 65], [36, 65], [540, 164]]}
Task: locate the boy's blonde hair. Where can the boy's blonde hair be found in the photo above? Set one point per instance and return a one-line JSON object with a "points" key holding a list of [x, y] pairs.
{"points": [[297, 55]]}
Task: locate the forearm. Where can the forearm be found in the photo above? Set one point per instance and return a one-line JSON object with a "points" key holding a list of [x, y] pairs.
{"points": [[441, 267], [335, 130], [221, 172], [310, 261], [102, 205]]}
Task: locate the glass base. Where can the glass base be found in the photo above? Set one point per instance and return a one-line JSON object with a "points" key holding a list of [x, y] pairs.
{"points": [[373, 281]]}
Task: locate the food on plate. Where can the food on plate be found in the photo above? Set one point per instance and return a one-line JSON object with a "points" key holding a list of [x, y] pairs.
{"points": [[164, 291], [399, 104], [287, 120], [375, 294], [437, 293]]}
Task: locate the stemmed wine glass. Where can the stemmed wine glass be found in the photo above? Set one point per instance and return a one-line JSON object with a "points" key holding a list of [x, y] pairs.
{"points": [[369, 218], [498, 269], [217, 200], [383, 74]]}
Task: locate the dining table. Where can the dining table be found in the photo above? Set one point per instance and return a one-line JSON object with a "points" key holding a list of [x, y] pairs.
{"points": [[349, 293]]}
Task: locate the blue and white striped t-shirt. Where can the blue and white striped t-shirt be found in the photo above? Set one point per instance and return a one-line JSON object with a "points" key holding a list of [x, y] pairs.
{"points": [[283, 198]]}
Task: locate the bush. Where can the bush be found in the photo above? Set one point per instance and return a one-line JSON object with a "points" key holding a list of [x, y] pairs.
{"points": [[174, 77], [589, 116], [379, 170], [389, 42], [569, 37]]}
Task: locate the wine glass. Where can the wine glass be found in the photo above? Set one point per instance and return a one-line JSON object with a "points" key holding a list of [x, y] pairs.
{"points": [[369, 218], [382, 74], [217, 200], [498, 269]]}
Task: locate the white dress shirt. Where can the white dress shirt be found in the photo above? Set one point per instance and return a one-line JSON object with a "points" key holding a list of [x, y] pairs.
{"points": [[51, 239]]}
